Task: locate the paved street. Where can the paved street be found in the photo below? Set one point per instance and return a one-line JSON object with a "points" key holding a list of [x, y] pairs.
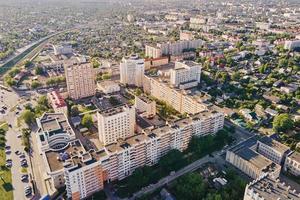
{"points": [[11, 100]]}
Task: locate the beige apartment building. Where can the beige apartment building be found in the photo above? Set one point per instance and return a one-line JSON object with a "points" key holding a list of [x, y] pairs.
{"points": [[292, 163], [132, 71], [184, 74], [179, 99], [84, 171], [116, 123], [80, 80], [145, 106]]}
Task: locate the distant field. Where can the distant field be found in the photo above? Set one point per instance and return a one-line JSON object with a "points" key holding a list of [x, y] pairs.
{"points": [[6, 189]]}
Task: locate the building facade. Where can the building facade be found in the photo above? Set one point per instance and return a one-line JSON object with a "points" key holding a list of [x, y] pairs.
{"points": [[116, 123], [132, 71], [292, 163], [80, 80], [145, 106]]}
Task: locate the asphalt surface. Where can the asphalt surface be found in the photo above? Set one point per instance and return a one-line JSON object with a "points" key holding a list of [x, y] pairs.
{"points": [[11, 100]]}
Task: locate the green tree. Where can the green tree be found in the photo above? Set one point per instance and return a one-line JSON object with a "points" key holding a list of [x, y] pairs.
{"points": [[87, 121], [39, 71], [282, 122], [27, 63], [74, 111], [28, 117], [35, 84], [173, 160]]}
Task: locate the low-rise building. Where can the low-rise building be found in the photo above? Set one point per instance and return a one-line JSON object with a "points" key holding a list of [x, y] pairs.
{"points": [[292, 163], [108, 86], [57, 102], [54, 131], [269, 187], [245, 158], [272, 149]]}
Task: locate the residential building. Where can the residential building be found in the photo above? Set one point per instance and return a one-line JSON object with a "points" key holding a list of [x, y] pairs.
{"points": [[292, 163], [132, 71], [145, 106], [155, 62], [186, 35], [80, 79], [63, 49], [272, 149], [153, 52], [116, 123], [181, 100], [269, 187], [57, 102], [185, 72], [108, 86]]}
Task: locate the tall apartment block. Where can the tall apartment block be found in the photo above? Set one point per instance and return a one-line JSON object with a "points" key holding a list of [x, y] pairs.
{"points": [[269, 187], [80, 79], [84, 171], [116, 123], [132, 71], [185, 75]]}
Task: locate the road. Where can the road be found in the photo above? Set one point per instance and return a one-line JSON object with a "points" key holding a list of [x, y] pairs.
{"points": [[11, 99]]}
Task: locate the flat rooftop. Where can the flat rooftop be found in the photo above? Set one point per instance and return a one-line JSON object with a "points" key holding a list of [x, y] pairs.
{"points": [[274, 144], [56, 159], [295, 156], [54, 123], [259, 161], [270, 188], [114, 111]]}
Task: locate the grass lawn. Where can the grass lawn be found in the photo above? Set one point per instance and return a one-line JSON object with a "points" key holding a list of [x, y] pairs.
{"points": [[4, 125], [6, 189]]}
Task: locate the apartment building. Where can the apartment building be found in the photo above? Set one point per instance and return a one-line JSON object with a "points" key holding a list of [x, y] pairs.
{"points": [[84, 171], [272, 149], [153, 52], [245, 158], [145, 106], [155, 62], [184, 74], [269, 187], [116, 123], [80, 80], [172, 48], [186, 35], [108, 86], [180, 100], [54, 131], [132, 71], [62, 49], [57, 102], [292, 163]]}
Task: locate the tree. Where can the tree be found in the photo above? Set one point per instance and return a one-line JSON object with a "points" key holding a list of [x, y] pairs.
{"points": [[87, 121], [236, 76], [43, 101], [282, 122], [28, 117], [35, 84], [74, 111], [173, 160], [39, 71], [27, 63]]}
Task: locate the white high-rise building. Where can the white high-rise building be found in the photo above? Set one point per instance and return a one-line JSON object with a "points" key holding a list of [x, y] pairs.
{"points": [[185, 72], [132, 71], [116, 123]]}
